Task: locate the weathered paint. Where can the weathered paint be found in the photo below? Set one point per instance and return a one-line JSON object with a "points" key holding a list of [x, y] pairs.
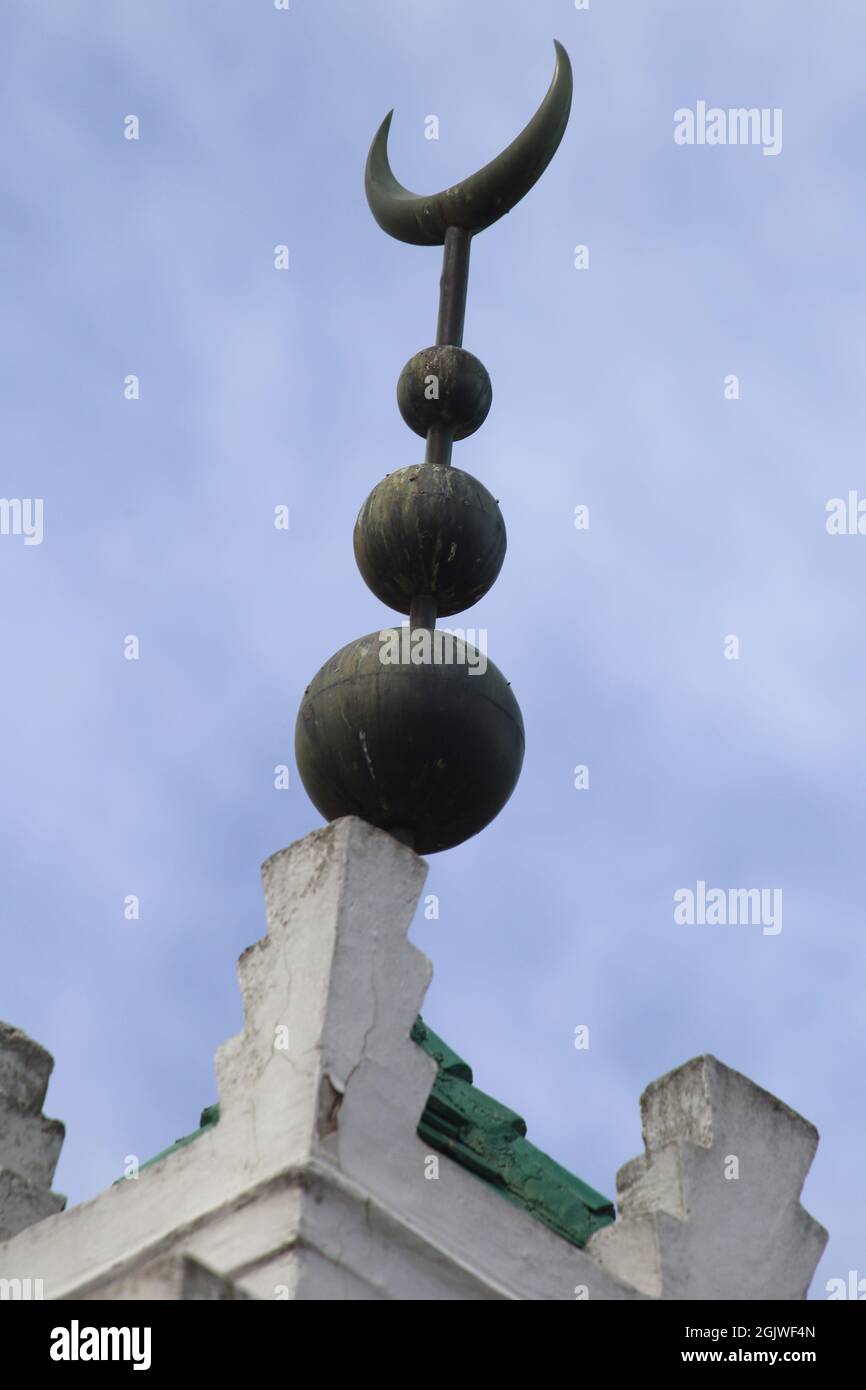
{"points": [[490, 1140]]}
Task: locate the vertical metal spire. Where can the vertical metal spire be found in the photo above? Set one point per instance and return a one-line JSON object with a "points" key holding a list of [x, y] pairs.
{"points": [[401, 727]]}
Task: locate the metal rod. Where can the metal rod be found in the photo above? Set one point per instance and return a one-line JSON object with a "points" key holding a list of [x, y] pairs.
{"points": [[422, 612], [453, 284], [439, 441]]}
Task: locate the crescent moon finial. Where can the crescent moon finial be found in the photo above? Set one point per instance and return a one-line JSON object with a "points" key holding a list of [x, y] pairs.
{"points": [[478, 201]]}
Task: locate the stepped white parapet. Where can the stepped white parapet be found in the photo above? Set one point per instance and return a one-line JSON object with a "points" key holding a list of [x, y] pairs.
{"points": [[30, 1144], [314, 1183]]}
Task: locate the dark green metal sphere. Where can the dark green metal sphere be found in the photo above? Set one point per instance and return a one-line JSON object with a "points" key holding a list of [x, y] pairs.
{"points": [[444, 385], [430, 531], [431, 751]]}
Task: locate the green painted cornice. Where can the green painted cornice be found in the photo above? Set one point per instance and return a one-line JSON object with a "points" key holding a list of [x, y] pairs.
{"points": [[490, 1140]]}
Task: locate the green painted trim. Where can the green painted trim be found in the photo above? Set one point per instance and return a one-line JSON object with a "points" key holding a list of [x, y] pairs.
{"points": [[486, 1137], [208, 1118], [489, 1140]]}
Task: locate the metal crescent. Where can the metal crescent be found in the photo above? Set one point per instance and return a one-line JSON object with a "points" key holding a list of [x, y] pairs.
{"points": [[484, 197]]}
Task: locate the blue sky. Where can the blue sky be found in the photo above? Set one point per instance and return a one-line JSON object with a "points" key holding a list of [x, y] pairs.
{"points": [[707, 518]]}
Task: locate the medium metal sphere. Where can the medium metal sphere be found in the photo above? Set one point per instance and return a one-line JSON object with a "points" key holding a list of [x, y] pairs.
{"points": [[430, 531], [444, 385], [430, 751]]}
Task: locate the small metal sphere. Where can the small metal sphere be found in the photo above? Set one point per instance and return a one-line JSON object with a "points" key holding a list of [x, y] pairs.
{"points": [[444, 385], [432, 531], [430, 750]]}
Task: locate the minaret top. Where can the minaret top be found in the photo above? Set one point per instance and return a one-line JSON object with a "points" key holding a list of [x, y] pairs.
{"points": [[414, 730]]}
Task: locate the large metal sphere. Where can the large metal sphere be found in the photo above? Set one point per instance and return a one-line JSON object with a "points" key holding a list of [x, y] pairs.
{"points": [[430, 531], [432, 751], [444, 385]]}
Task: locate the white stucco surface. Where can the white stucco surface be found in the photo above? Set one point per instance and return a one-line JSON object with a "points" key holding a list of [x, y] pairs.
{"points": [[315, 1185]]}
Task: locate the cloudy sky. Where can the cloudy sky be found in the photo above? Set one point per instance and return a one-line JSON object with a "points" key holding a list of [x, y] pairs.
{"points": [[259, 387]]}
